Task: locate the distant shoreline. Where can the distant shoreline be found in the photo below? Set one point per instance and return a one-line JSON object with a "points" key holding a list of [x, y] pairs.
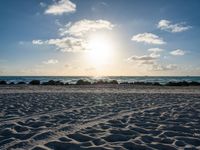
{"points": [[105, 88], [102, 82]]}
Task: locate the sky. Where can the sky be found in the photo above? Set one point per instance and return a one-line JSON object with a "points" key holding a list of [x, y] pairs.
{"points": [[100, 37]]}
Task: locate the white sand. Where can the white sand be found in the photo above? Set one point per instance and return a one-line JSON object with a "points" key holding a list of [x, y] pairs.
{"points": [[99, 117]]}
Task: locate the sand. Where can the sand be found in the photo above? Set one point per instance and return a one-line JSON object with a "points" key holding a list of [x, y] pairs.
{"points": [[99, 117]]}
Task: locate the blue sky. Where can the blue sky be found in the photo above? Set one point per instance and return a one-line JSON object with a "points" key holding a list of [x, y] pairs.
{"points": [[99, 37]]}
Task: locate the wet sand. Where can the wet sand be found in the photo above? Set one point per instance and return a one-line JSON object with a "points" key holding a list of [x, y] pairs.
{"points": [[117, 117]]}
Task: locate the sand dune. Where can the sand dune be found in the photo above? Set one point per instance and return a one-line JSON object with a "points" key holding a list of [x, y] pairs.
{"points": [[97, 118]]}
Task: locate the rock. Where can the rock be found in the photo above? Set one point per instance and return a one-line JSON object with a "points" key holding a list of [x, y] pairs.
{"points": [[3, 82], [113, 82], [52, 82], [35, 82], [11, 83], [82, 82], [21, 82]]}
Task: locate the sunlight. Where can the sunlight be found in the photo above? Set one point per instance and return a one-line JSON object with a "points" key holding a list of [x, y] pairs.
{"points": [[101, 49]]}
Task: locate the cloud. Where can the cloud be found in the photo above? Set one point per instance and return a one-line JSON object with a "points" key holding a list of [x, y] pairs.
{"points": [[159, 67], [151, 62], [148, 38], [50, 61], [155, 50], [146, 59], [61, 7], [155, 55], [142, 58], [83, 27], [166, 25], [178, 52], [69, 44], [66, 44], [75, 36], [37, 42]]}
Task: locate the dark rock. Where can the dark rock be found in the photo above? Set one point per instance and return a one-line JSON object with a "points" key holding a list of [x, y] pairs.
{"points": [[182, 83], [156, 83], [100, 82], [35, 82], [194, 83], [113, 82], [124, 83], [3, 82], [21, 82], [52, 82], [82, 82]]}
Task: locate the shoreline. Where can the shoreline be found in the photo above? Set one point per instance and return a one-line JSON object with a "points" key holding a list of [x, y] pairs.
{"points": [[109, 88], [102, 82]]}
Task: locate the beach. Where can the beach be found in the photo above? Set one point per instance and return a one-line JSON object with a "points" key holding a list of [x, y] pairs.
{"points": [[107, 117]]}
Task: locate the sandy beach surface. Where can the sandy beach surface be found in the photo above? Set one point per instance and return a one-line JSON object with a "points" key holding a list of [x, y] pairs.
{"points": [[120, 117]]}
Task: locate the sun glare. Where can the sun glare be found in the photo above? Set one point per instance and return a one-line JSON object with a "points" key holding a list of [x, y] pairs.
{"points": [[101, 49]]}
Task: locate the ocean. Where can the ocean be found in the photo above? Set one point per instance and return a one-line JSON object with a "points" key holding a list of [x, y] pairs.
{"points": [[120, 79]]}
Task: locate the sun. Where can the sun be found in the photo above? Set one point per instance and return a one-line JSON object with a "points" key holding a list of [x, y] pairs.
{"points": [[100, 49]]}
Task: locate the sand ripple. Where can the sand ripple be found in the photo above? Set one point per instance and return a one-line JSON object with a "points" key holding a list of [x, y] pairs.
{"points": [[121, 121]]}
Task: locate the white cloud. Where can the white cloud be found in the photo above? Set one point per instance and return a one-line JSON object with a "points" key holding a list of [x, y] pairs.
{"points": [[168, 26], [61, 7], [178, 52], [37, 42], [151, 62], [155, 54], [83, 27], [142, 58], [159, 67], [155, 50], [149, 38], [68, 44], [50, 61], [75, 36]]}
